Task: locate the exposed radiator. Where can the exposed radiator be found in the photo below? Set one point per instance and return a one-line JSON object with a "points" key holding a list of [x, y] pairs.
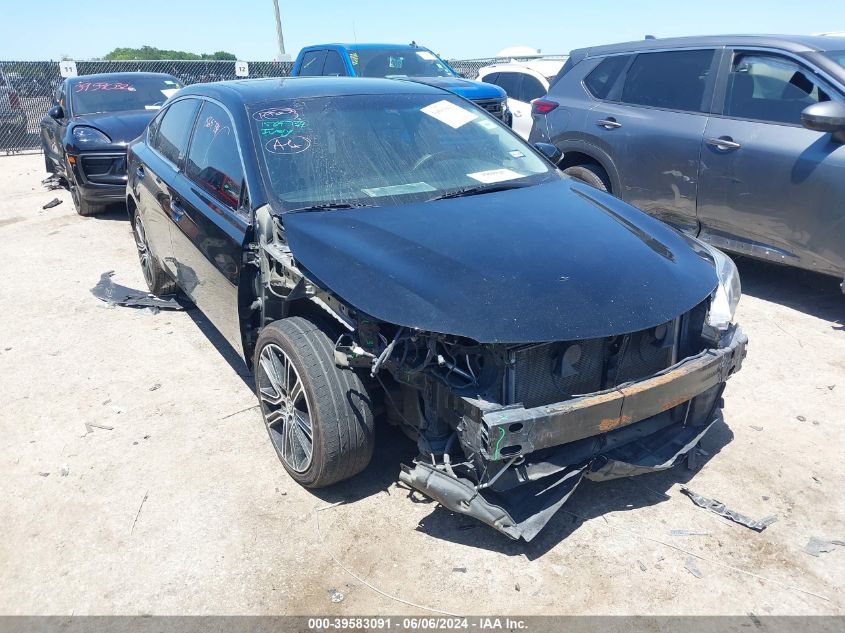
{"points": [[552, 372]]}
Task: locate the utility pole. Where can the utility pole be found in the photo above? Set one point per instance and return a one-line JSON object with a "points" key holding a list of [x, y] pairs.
{"points": [[283, 57]]}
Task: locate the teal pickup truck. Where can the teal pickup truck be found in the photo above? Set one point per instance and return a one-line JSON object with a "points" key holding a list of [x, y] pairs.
{"points": [[398, 61]]}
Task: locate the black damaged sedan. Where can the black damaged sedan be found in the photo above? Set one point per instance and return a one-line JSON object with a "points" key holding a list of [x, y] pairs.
{"points": [[85, 134], [374, 243]]}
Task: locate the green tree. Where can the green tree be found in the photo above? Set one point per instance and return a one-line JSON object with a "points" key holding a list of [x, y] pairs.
{"points": [[153, 53]]}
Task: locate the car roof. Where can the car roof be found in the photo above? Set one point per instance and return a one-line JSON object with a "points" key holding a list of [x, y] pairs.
{"points": [[118, 76], [363, 46], [546, 67], [252, 91], [790, 43]]}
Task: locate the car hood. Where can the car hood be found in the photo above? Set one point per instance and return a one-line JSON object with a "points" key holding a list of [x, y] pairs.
{"points": [[120, 127], [558, 261], [467, 88]]}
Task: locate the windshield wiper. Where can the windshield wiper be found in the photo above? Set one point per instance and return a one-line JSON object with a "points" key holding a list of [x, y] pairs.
{"points": [[330, 206], [477, 189]]}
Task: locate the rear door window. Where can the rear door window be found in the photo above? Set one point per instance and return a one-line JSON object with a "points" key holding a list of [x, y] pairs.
{"points": [[770, 88], [601, 79], [312, 64], [171, 139], [333, 65], [675, 80], [531, 89], [214, 162]]}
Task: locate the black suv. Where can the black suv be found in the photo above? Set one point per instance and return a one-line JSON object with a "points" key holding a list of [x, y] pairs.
{"points": [[738, 139], [85, 134]]}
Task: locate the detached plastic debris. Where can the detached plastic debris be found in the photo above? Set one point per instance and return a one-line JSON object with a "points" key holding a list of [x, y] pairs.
{"points": [[52, 182], [692, 567], [53, 203], [719, 508], [816, 546], [115, 294]]}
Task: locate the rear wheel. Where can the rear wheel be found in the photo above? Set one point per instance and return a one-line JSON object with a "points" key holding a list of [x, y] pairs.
{"points": [[157, 280], [591, 174], [319, 416]]}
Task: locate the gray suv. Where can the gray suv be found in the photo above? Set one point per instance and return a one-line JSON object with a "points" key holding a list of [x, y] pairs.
{"points": [[739, 139]]}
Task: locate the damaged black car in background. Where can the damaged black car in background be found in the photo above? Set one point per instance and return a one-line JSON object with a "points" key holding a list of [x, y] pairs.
{"points": [[370, 242], [85, 134]]}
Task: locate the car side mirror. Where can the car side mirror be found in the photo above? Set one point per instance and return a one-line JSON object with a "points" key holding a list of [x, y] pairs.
{"points": [[826, 117], [550, 152], [56, 112]]}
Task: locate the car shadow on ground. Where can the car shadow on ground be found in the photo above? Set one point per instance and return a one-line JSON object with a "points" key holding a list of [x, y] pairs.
{"points": [[223, 347], [589, 501], [392, 449], [812, 293], [114, 212]]}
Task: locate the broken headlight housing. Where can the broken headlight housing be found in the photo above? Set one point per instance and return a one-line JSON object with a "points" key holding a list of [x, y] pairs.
{"points": [[88, 135], [726, 296]]}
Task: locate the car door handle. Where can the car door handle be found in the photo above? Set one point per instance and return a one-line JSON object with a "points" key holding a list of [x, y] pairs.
{"points": [[516, 112], [723, 143], [177, 209], [609, 123]]}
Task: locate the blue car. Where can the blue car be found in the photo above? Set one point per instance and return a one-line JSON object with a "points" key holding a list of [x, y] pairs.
{"points": [[398, 61]]}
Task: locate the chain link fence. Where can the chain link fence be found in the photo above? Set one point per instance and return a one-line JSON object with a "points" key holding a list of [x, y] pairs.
{"points": [[27, 88]]}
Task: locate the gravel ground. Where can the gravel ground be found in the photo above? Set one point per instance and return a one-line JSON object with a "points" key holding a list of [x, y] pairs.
{"points": [[175, 502]]}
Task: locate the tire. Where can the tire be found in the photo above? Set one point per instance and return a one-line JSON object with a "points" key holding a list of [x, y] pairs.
{"points": [[332, 402], [158, 281], [593, 175], [83, 207]]}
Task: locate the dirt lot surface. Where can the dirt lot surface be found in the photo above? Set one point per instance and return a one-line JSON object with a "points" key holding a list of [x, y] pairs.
{"points": [[176, 503]]}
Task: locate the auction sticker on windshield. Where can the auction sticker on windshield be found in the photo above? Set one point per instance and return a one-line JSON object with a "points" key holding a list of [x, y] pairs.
{"points": [[495, 175], [449, 113], [429, 57], [395, 190]]}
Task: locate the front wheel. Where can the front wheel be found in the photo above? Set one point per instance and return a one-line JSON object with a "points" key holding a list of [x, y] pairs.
{"points": [[82, 206], [319, 416]]}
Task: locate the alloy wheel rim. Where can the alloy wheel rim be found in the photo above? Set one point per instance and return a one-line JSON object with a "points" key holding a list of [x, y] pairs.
{"points": [[143, 250], [287, 412]]}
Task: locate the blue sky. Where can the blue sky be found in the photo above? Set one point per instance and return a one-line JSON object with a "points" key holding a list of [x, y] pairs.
{"points": [[48, 29]]}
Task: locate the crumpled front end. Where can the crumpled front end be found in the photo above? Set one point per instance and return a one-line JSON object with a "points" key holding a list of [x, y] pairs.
{"points": [[524, 458]]}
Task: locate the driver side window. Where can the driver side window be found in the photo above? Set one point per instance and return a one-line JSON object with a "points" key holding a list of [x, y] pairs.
{"points": [[770, 88]]}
